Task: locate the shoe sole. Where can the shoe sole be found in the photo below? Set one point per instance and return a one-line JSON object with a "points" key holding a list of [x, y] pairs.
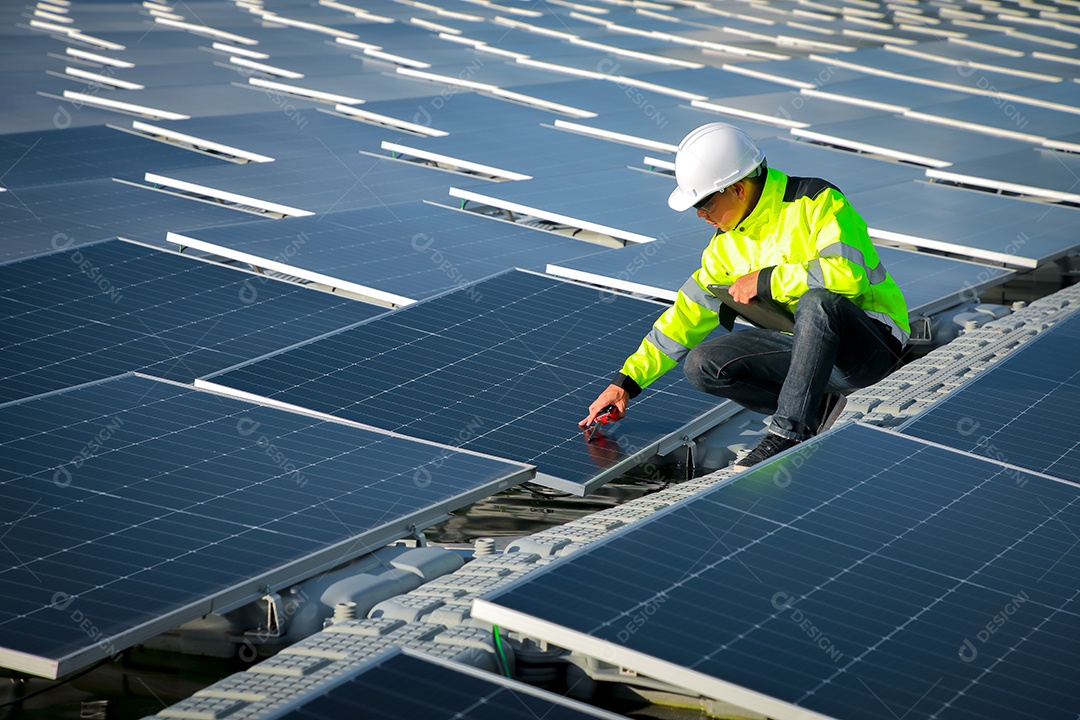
{"points": [[833, 415]]}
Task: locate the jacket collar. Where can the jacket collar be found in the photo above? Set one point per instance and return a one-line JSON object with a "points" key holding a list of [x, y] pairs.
{"points": [[768, 206]]}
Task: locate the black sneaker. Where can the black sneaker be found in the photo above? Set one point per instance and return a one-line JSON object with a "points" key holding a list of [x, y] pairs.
{"points": [[770, 445], [832, 404]]}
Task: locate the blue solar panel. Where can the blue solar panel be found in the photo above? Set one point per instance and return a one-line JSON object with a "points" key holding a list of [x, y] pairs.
{"points": [[1040, 173], [863, 574], [405, 685], [913, 140], [284, 135], [96, 311], [789, 108], [627, 204], [1064, 94], [671, 125], [1020, 411], [597, 96], [506, 367], [35, 218], [709, 82], [921, 71], [892, 93], [464, 111], [158, 76], [319, 182], [991, 62], [410, 250], [534, 151], [92, 153], [797, 72], [990, 114], [848, 171], [137, 505], [929, 283], [1016, 232]]}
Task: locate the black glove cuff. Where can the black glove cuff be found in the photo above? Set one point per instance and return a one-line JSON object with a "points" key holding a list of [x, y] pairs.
{"points": [[628, 384]]}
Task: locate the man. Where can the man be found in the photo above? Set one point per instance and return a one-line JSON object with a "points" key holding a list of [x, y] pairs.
{"points": [[797, 241]]}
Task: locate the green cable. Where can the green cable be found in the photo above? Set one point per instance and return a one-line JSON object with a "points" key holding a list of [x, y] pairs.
{"points": [[499, 647]]}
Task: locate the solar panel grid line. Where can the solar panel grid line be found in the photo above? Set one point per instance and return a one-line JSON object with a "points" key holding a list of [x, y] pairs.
{"points": [[519, 618]]}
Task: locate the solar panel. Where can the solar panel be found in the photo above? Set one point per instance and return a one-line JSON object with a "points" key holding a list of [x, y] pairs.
{"points": [[887, 93], [630, 205], [407, 685], [862, 574], [517, 153], [1016, 232], [797, 72], [595, 64], [711, 82], [464, 111], [1019, 411], [157, 76], [929, 283], [506, 366], [849, 171], [90, 153], [787, 109], [397, 254], [660, 129], [71, 214], [991, 116], [1060, 96], [99, 310], [911, 140], [978, 60], [1037, 172], [598, 97], [134, 505], [279, 134], [498, 73], [926, 72], [319, 182]]}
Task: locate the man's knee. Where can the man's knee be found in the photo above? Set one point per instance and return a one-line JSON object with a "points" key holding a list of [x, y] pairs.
{"points": [[819, 299], [709, 366], [695, 366]]}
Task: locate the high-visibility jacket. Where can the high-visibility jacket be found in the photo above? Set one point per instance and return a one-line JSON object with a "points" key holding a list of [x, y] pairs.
{"points": [[802, 234]]}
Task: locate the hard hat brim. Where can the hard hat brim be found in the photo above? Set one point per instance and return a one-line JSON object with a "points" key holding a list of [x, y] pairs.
{"points": [[680, 199]]}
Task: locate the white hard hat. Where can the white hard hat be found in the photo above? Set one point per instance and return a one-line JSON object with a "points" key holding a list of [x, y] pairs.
{"points": [[710, 158]]}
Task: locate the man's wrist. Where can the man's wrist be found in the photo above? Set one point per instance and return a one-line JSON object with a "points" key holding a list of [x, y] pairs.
{"points": [[628, 384], [764, 282]]}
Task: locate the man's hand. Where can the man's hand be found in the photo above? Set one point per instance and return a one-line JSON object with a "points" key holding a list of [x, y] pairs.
{"points": [[613, 395], [744, 289]]}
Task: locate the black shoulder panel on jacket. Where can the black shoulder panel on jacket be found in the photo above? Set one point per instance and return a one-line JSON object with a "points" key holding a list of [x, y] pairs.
{"points": [[799, 187]]}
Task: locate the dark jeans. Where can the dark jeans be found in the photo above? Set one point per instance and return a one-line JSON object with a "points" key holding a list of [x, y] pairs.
{"points": [[836, 347]]}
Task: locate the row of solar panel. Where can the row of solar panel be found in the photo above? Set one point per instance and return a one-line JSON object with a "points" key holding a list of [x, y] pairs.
{"points": [[522, 352]]}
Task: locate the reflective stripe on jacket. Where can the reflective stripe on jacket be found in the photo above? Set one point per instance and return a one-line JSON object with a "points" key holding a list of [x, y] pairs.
{"points": [[802, 234]]}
